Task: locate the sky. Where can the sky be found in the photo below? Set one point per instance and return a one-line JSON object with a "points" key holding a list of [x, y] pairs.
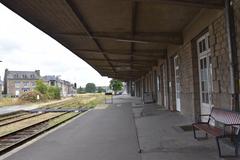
{"points": [[23, 47]]}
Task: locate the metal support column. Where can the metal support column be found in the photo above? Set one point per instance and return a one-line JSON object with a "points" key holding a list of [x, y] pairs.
{"points": [[233, 59]]}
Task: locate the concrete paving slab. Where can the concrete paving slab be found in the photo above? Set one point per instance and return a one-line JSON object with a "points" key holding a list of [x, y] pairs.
{"points": [[160, 137]]}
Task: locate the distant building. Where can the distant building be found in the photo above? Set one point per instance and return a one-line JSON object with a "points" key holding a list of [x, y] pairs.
{"points": [[18, 82], [51, 80], [66, 87]]}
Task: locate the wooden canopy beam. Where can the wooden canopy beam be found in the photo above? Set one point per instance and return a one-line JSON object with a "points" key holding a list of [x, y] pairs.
{"points": [[127, 52], [76, 11], [122, 61], [142, 38], [213, 4]]}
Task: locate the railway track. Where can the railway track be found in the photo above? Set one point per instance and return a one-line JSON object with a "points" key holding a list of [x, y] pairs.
{"points": [[12, 115], [16, 138], [18, 118]]}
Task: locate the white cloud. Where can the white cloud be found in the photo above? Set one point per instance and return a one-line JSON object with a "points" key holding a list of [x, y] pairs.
{"points": [[24, 47]]}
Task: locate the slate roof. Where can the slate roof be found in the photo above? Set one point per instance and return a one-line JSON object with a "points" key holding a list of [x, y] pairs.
{"points": [[50, 78], [26, 75]]}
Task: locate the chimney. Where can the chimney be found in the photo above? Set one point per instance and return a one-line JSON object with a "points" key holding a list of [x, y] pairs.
{"points": [[75, 86], [37, 72]]}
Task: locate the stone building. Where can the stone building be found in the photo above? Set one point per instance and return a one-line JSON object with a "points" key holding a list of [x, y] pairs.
{"points": [[66, 87], [202, 72], [18, 82]]}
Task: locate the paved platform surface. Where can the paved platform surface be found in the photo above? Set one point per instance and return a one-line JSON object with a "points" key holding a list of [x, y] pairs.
{"points": [[110, 133]]}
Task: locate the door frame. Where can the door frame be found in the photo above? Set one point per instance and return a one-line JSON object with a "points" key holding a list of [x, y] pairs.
{"points": [[205, 108]]}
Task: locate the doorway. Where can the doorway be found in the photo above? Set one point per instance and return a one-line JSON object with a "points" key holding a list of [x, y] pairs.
{"points": [[205, 73], [177, 82]]}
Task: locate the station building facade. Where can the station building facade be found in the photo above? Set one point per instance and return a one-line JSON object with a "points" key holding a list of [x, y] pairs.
{"points": [[203, 72]]}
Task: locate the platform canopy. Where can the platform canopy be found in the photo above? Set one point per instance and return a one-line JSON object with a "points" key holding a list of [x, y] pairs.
{"points": [[121, 39]]}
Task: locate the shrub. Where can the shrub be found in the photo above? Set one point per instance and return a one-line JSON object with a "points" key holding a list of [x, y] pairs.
{"points": [[41, 87], [53, 92], [31, 96]]}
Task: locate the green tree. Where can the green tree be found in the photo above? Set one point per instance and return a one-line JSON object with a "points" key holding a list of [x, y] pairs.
{"points": [[80, 90], [116, 85], [100, 90], [41, 87], [53, 92], [90, 88]]}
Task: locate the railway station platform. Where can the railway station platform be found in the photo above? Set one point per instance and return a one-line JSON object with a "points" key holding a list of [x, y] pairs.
{"points": [[118, 132]]}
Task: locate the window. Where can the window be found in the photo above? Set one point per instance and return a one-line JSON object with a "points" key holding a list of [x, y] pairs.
{"points": [[17, 84], [26, 89], [24, 76], [15, 75], [26, 84], [33, 84], [158, 83]]}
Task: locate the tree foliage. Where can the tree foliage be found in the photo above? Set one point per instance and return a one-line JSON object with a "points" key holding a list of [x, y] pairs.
{"points": [[90, 88], [100, 90], [116, 85], [80, 90], [41, 87], [53, 92], [50, 92]]}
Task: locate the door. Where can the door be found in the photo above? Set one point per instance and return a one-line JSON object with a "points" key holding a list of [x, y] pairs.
{"points": [[177, 83], [162, 86], [205, 74], [164, 80], [155, 86]]}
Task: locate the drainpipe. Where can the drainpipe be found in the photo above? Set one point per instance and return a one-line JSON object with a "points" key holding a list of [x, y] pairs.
{"points": [[233, 58]]}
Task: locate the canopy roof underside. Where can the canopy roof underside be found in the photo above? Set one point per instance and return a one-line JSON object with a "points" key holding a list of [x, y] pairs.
{"points": [[119, 38]]}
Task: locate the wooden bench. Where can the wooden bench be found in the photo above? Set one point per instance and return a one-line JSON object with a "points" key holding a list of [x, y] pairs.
{"points": [[227, 124]]}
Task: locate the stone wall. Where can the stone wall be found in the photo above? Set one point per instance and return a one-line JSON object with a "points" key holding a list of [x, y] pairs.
{"points": [[190, 97], [220, 64], [186, 79], [189, 81]]}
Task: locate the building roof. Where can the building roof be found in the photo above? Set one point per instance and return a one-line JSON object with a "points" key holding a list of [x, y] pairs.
{"points": [[50, 78], [121, 39], [22, 75]]}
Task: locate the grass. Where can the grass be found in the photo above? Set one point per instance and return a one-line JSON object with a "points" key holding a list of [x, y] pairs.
{"points": [[61, 119], [81, 100], [10, 101], [88, 100]]}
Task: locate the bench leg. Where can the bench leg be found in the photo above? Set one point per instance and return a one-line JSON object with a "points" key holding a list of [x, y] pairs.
{"points": [[219, 148], [236, 147], [236, 150], [194, 133]]}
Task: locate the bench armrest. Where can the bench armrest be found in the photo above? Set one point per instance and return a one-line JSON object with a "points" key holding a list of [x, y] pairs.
{"points": [[203, 115]]}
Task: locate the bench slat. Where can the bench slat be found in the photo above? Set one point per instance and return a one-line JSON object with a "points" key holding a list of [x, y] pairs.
{"points": [[214, 131]]}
